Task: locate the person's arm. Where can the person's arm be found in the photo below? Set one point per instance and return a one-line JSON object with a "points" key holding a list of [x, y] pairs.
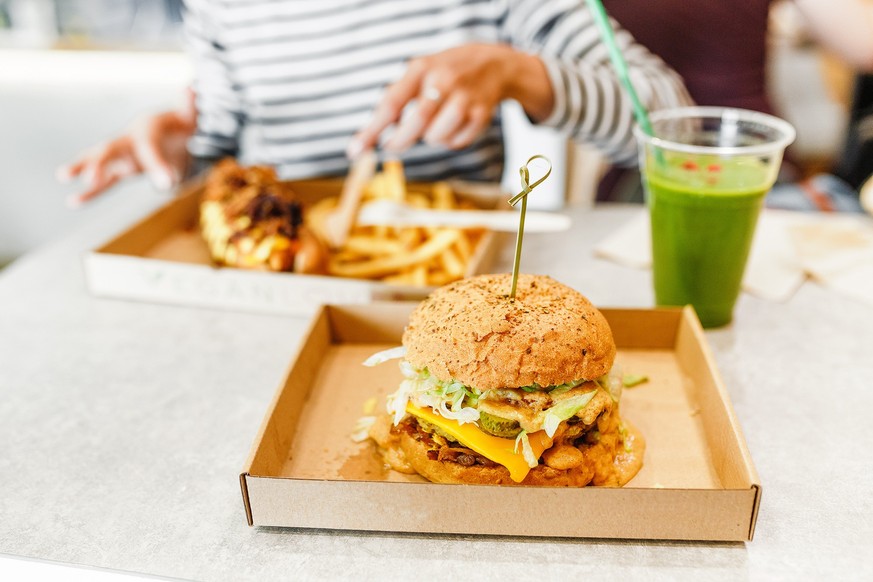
{"points": [[158, 145], [842, 26], [449, 98], [550, 59], [219, 107], [589, 103], [154, 145]]}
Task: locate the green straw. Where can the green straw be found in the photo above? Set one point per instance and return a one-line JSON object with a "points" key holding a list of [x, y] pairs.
{"points": [[608, 35]]}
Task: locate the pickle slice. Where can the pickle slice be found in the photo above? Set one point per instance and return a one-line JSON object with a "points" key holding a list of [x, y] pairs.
{"points": [[497, 426], [434, 429]]}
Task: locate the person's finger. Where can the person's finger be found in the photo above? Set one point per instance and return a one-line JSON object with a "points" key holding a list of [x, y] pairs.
{"points": [[95, 189], [105, 169], [413, 124], [409, 130], [478, 119], [189, 112], [67, 172], [173, 122], [115, 159], [86, 159], [122, 168], [451, 117], [147, 138], [389, 109], [95, 172]]}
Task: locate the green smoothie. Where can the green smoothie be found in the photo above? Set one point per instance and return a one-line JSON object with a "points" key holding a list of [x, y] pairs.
{"points": [[703, 212]]}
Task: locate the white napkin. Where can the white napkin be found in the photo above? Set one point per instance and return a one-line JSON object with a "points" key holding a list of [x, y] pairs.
{"points": [[629, 245], [773, 271], [836, 250], [838, 253]]}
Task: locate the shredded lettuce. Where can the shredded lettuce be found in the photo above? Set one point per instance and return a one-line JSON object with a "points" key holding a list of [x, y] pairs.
{"points": [[396, 403], [361, 430], [553, 390], [448, 399], [611, 382], [526, 450], [625, 436], [385, 355], [561, 388], [560, 412], [408, 370], [631, 380]]}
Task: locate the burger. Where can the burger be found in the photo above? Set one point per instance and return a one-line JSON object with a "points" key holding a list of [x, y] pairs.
{"points": [[250, 219], [508, 391]]}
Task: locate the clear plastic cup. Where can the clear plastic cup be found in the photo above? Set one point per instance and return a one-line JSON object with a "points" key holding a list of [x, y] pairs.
{"points": [[706, 172]]}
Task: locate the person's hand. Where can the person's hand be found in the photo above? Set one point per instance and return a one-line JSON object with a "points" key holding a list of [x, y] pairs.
{"points": [[455, 93], [154, 145]]}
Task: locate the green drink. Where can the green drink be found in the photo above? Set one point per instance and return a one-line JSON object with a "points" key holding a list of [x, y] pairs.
{"points": [[704, 194], [702, 231]]}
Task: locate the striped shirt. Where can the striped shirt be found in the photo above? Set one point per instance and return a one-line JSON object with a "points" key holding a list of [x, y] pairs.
{"points": [[289, 82]]}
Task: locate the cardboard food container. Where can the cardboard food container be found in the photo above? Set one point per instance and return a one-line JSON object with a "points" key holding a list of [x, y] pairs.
{"points": [[163, 259], [697, 480]]}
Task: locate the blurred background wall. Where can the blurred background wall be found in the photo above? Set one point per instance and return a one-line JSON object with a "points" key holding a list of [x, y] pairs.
{"points": [[76, 72], [72, 74], [91, 24]]}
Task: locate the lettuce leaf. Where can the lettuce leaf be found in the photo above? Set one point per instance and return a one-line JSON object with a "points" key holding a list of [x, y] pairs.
{"points": [[611, 382], [553, 390], [385, 355], [560, 412], [526, 450], [448, 399], [361, 430], [561, 388], [631, 380]]}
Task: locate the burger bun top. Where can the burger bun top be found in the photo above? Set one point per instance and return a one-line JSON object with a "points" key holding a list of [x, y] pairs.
{"points": [[472, 332]]}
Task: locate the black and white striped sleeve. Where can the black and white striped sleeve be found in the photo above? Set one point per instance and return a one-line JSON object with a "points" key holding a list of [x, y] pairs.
{"points": [[219, 110], [590, 104]]}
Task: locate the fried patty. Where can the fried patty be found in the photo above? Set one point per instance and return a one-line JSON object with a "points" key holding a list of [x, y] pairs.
{"points": [[581, 455]]}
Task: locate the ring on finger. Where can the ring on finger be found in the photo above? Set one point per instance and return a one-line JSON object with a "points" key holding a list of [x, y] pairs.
{"points": [[432, 94]]}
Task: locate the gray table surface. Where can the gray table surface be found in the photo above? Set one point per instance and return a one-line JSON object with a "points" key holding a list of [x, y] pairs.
{"points": [[124, 426]]}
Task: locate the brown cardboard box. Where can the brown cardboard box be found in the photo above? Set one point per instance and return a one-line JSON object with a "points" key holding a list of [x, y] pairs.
{"points": [[697, 482], [163, 259]]}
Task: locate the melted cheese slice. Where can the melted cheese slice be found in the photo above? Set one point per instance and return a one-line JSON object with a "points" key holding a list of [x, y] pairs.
{"points": [[499, 450]]}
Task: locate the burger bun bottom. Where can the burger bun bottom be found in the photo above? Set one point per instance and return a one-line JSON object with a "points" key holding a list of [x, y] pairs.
{"points": [[607, 463]]}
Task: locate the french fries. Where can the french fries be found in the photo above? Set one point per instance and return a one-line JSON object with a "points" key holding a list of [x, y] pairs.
{"points": [[403, 256], [382, 266]]}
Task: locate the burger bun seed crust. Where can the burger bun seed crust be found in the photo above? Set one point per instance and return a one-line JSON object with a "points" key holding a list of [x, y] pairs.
{"points": [[470, 331]]}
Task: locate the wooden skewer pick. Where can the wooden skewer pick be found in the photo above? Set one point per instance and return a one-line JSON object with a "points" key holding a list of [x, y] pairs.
{"points": [[339, 222], [526, 187]]}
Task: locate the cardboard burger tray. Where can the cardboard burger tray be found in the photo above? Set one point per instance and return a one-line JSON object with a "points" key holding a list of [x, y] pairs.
{"points": [[697, 480], [163, 259]]}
